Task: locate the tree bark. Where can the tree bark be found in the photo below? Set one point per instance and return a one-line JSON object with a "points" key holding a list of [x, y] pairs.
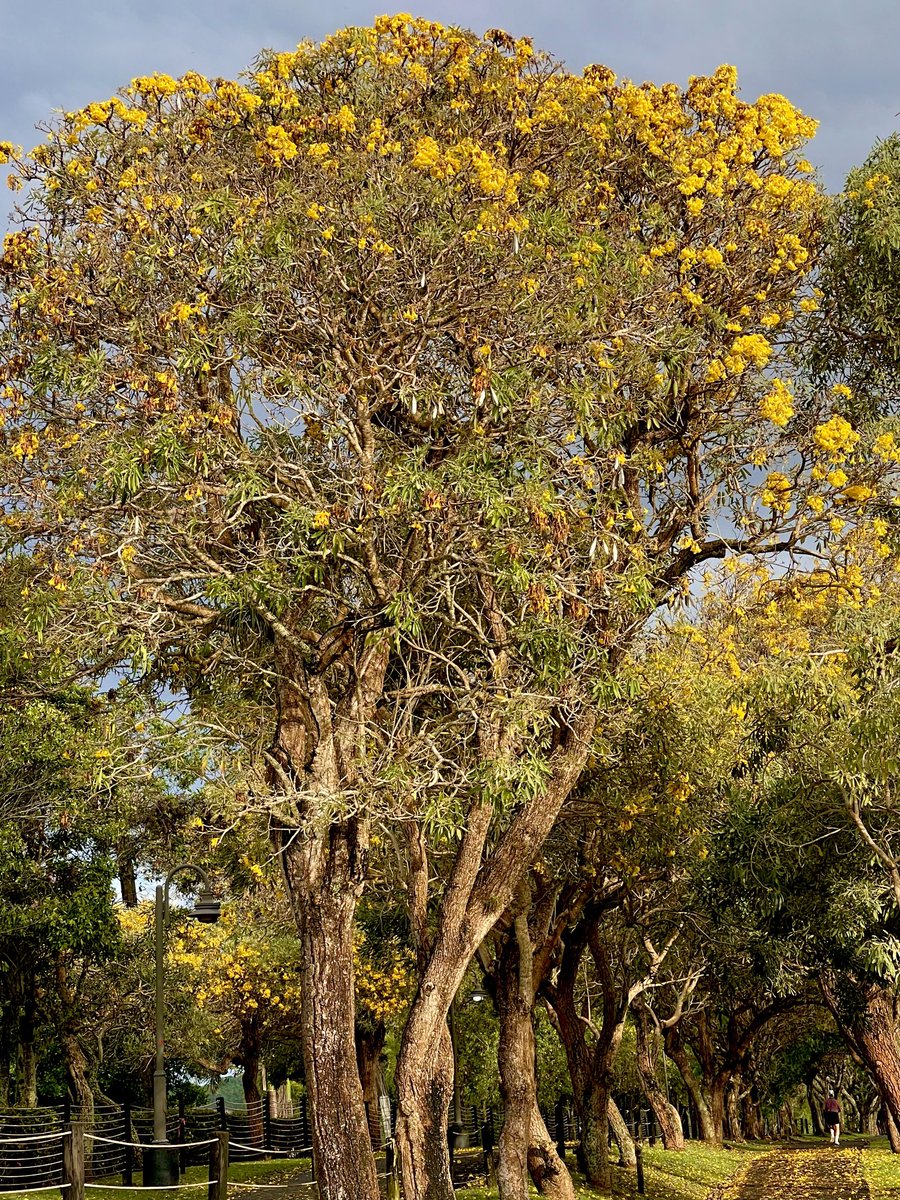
{"points": [[666, 1116], [893, 1131], [717, 1087], [345, 1163], [873, 1034], [624, 1140], [814, 1114], [26, 1068], [548, 1172], [732, 1100], [515, 1058], [677, 1051], [590, 1067], [477, 892], [127, 878], [319, 741], [369, 1046], [77, 1076]]}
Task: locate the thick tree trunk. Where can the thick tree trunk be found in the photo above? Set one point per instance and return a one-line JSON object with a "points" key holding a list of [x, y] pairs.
{"points": [[369, 1046], [814, 1114], [479, 888], [873, 1034], [77, 1076], [127, 878], [893, 1130], [424, 1079], [676, 1050], [592, 1107], [624, 1140], [752, 1119], [26, 1075], [515, 1058], [548, 1172], [667, 1117], [732, 1099], [319, 741], [716, 1089], [345, 1163]]}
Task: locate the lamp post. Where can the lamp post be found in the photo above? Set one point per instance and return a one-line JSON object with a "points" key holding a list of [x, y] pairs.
{"points": [[160, 1162], [458, 1131]]}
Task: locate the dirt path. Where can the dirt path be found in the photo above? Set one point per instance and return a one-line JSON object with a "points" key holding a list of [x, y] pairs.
{"points": [[817, 1174]]}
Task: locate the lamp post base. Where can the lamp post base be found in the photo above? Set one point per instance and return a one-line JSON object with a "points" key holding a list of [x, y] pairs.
{"points": [[160, 1165]]}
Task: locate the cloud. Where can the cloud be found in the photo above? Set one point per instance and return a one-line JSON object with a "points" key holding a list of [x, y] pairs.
{"points": [[834, 59]]}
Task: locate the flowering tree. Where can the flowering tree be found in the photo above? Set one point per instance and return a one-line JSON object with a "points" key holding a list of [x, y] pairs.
{"points": [[384, 394]]}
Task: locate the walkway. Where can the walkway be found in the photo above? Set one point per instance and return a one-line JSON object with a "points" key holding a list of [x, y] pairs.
{"points": [[809, 1174]]}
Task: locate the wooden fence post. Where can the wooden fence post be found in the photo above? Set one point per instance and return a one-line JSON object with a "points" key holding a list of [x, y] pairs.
{"points": [[218, 1166], [639, 1163], [73, 1161], [390, 1170]]}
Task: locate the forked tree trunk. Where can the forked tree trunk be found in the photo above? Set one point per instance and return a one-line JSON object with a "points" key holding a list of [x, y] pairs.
{"points": [[479, 888], [623, 1139], [667, 1118], [676, 1050], [548, 1172], [77, 1077]]}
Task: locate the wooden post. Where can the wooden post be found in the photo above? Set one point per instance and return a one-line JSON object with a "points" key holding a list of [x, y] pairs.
{"points": [[182, 1134], [128, 1169], [393, 1184], [218, 1166], [639, 1162], [73, 1161], [267, 1120]]}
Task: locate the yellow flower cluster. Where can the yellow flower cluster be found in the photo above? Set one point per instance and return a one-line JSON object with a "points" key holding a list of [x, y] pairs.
{"points": [[278, 146], [777, 405], [836, 438], [776, 493]]}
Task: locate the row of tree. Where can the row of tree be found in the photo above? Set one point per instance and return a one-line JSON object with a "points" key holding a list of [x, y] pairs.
{"points": [[369, 423]]}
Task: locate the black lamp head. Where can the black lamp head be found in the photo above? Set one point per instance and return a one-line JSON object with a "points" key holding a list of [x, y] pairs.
{"points": [[207, 909]]}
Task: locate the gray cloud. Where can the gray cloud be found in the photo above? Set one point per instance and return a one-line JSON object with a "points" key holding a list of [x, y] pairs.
{"points": [[835, 59]]}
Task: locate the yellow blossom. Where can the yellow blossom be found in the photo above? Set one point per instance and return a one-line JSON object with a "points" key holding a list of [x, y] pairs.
{"points": [[777, 405]]}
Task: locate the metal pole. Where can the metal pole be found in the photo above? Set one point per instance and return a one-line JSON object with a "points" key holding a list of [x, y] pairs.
{"points": [[159, 1074], [457, 1100]]}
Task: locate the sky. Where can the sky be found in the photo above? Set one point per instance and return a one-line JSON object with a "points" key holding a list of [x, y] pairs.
{"points": [[835, 59]]}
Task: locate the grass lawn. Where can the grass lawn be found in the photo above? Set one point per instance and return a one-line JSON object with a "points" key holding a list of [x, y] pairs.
{"points": [[882, 1170], [667, 1175], [248, 1172]]}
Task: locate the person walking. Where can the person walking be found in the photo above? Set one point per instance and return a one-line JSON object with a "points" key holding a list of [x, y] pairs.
{"points": [[833, 1118]]}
